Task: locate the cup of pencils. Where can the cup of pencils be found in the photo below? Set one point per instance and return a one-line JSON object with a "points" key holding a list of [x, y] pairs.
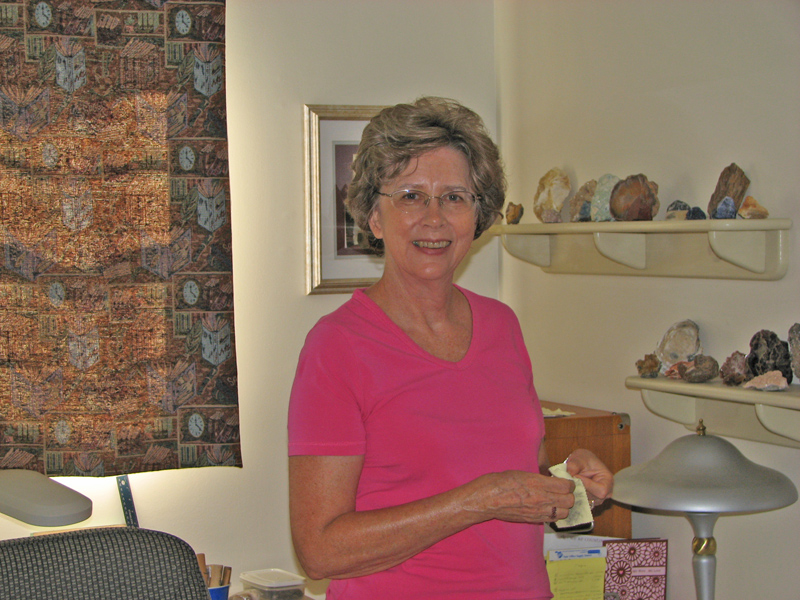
{"points": [[217, 578]]}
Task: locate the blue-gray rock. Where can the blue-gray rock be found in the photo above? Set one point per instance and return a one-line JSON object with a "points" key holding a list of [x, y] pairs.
{"points": [[725, 209], [695, 214], [769, 353]]}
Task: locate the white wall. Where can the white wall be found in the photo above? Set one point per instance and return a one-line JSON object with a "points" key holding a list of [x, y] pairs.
{"points": [[677, 91], [282, 54]]}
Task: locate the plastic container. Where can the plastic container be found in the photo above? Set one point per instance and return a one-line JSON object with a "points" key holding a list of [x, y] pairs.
{"points": [[274, 584]]}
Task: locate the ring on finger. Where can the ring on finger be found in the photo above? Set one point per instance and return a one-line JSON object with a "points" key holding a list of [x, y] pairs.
{"points": [[553, 514]]}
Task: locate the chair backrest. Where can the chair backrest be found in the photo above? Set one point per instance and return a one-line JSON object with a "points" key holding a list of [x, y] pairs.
{"points": [[110, 563]]}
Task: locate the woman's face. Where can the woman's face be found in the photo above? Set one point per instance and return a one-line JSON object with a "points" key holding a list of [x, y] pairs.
{"points": [[428, 244]]}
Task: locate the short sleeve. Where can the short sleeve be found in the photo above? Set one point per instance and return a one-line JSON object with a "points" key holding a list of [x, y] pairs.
{"points": [[325, 418]]}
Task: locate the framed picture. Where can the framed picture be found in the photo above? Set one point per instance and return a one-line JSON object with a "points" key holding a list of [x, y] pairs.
{"points": [[338, 259]]}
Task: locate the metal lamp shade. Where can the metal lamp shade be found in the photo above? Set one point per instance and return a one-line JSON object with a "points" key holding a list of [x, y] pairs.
{"points": [[701, 476], [705, 474]]}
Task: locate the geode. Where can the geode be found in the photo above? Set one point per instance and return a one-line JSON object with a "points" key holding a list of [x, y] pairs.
{"points": [[769, 353], [680, 343], [734, 369], [702, 368], [634, 199], [554, 188]]}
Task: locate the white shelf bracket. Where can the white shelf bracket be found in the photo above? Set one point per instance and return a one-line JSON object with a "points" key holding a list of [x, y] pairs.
{"points": [[629, 249], [779, 421], [681, 409], [745, 249], [531, 248]]}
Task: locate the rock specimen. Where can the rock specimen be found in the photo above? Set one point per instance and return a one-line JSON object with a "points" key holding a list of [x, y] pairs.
{"points": [[732, 183], [702, 368], [634, 199], [734, 369], [554, 188], [771, 381], [580, 205], [695, 214], [601, 208], [513, 213], [674, 372], [677, 210], [649, 366], [769, 353], [680, 343], [794, 347], [550, 216], [751, 209], [725, 209]]}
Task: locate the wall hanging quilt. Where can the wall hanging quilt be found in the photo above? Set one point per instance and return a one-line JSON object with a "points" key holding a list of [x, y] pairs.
{"points": [[117, 349]]}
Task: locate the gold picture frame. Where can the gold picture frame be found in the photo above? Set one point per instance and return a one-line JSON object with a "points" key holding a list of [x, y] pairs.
{"points": [[336, 259]]}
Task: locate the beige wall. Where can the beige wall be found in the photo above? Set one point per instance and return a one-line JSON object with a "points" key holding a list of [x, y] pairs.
{"points": [[282, 54], [677, 91]]}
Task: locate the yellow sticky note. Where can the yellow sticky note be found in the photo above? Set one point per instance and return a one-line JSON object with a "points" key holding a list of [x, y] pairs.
{"points": [[577, 578]]}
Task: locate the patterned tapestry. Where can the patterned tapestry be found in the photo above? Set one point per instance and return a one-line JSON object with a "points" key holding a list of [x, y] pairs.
{"points": [[117, 346]]}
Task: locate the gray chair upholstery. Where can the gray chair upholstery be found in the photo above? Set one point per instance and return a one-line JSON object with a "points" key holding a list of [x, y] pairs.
{"points": [[110, 563]]}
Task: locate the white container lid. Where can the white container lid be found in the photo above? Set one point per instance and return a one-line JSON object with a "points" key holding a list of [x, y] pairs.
{"points": [[268, 579]]}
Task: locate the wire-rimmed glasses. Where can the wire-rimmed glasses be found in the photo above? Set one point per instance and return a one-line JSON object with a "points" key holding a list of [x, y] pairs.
{"points": [[412, 201]]}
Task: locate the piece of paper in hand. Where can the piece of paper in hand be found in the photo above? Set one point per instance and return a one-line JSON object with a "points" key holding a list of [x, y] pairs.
{"points": [[580, 515]]}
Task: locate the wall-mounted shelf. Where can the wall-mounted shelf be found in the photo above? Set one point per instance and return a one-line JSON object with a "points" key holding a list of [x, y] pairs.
{"points": [[712, 248], [772, 417]]}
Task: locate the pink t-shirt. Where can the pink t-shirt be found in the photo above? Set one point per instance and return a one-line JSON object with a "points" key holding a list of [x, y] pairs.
{"points": [[424, 426]]}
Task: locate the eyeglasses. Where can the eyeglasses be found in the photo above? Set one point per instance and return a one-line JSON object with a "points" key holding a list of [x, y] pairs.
{"points": [[412, 201]]}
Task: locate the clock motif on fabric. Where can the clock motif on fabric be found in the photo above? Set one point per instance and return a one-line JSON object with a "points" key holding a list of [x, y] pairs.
{"points": [[191, 292], [62, 431], [187, 158], [196, 425], [49, 155], [56, 293], [43, 14], [183, 22]]}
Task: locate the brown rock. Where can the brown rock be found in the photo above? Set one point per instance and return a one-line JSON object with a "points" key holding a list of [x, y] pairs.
{"points": [[580, 205], [634, 199], [732, 182], [513, 213]]}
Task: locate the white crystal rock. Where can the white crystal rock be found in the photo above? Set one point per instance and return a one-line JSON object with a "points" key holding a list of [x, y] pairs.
{"points": [[680, 343], [554, 188]]}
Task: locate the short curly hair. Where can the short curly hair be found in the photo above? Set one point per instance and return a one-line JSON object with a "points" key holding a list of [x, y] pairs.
{"points": [[400, 133]]}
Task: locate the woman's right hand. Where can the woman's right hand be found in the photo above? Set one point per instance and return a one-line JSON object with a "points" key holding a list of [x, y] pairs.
{"points": [[521, 497]]}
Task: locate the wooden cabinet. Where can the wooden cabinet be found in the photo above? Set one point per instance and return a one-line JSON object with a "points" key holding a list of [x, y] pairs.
{"points": [[607, 434]]}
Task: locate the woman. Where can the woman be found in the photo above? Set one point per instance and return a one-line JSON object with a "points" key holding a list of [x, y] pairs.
{"points": [[417, 466]]}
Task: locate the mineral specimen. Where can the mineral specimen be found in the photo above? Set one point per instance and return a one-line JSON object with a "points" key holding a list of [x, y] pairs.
{"points": [[701, 369], [513, 213], [769, 353], [634, 199], [695, 214], [649, 366], [580, 205], [725, 209], [554, 188], [794, 347], [677, 210], [601, 209], [680, 343], [771, 381], [734, 369], [751, 209], [732, 183]]}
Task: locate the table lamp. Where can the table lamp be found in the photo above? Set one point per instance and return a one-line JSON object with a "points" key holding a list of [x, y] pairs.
{"points": [[36, 499], [700, 476]]}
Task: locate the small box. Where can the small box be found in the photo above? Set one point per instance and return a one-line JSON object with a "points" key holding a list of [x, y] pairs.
{"points": [[274, 584]]}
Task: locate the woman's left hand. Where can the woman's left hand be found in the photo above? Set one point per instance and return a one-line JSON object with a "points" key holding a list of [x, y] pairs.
{"points": [[597, 479]]}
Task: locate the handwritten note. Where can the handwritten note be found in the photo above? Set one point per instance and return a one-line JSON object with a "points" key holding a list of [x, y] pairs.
{"points": [[577, 578]]}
